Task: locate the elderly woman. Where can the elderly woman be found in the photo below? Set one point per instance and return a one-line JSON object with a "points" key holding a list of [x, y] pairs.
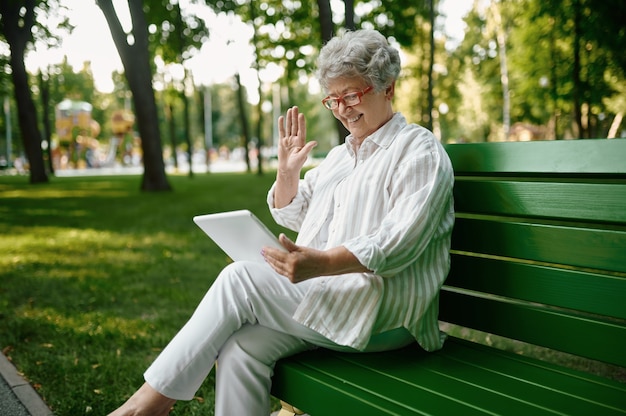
{"points": [[374, 221]]}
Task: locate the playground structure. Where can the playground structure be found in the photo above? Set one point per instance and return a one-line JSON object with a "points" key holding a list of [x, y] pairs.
{"points": [[122, 124], [77, 132]]}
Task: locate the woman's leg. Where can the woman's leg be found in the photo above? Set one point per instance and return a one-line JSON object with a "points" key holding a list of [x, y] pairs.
{"points": [[245, 367], [244, 293], [246, 363]]}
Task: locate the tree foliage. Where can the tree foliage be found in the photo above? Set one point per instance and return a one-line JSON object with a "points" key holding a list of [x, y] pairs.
{"points": [[20, 29], [543, 40]]}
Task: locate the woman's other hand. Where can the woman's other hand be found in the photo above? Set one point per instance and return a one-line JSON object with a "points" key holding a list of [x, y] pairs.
{"points": [[303, 263]]}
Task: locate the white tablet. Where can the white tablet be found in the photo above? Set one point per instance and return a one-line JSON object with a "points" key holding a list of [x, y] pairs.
{"points": [[239, 233]]}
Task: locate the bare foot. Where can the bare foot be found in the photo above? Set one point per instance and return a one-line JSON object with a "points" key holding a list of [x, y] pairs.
{"points": [[145, 402]]}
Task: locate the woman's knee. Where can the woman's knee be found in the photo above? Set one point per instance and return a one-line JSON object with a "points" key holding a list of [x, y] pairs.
{"points": [[247, 273], [238, 268]]}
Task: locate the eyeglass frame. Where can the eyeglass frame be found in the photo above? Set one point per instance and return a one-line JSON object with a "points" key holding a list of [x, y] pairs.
{"points": [[341, 99]]}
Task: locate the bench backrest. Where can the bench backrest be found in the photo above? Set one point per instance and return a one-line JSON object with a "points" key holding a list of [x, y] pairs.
{"points": [[539, 245]]}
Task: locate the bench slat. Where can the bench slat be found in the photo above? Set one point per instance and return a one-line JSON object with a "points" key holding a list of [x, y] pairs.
{"points": [[338, 390], [474, 377], [557, 200], [548, 285], [572, 157], [581, 393], [591, 338], [581, 247], [415, 384], [467, 384], [461, 379]]}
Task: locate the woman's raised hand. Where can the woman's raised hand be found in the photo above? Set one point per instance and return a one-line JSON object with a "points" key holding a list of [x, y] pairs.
{"points": [[293, 149]]}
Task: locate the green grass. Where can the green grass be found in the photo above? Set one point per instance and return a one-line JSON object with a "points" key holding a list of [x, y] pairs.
{"points": [[96, 277]]}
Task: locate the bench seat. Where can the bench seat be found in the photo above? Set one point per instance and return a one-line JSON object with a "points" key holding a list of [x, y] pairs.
{"points": [[464, 378]]}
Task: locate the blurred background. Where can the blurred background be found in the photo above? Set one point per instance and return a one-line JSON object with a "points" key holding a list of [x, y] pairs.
{"points": [[166, 85]]}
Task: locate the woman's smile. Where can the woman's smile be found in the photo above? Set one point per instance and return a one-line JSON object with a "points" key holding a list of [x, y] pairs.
{"points": [[354, 119]]}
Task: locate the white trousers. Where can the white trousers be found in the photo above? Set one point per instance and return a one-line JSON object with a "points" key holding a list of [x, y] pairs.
{"points": [[245, 320]]}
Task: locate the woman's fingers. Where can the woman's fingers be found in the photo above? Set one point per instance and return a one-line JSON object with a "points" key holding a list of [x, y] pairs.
{"points": [[301, 128], [292, 125], [281, 127], [288, 122]]}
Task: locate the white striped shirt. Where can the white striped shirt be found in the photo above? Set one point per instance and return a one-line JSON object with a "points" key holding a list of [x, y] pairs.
{"points": [[391, 206]]}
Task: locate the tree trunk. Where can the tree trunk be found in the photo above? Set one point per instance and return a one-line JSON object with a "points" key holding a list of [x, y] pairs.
{"points": [[29, 126], [431, 64], [615, 125], [243, 120], [187, 126], [349, 12], [259, 109], [207, 121], [44, 87], [328, 31], [136, 61], [326, 20], [504, 71], [171, 124], [259, 131], [578, 115], [17, 32], [554, 92]]}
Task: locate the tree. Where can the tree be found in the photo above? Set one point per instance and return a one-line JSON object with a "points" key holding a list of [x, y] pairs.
{"points": [[500, 34], [44, 91], [135, 56], [259, 107], [17, 25], [606, 27], [578, 116], [327, 32], [431, 64], [241, 105], [174, 42], [479, 103], [565, 62], [326, 20]]}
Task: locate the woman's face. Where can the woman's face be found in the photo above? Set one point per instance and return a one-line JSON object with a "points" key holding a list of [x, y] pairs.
{"points": [[369, 115]]}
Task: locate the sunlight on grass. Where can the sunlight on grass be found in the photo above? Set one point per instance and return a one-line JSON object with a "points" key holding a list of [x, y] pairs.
{"points": [[91, 324], [59, 253], [63, 193]]}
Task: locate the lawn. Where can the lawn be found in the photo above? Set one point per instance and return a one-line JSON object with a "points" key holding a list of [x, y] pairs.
{"points": [[97, 276]]}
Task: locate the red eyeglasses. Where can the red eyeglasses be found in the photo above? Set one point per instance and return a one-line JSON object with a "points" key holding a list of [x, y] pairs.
{"points": [[349, 99]]}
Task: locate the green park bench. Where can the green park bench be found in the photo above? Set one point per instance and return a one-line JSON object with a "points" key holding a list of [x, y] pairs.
{"points": [[538, 256]]}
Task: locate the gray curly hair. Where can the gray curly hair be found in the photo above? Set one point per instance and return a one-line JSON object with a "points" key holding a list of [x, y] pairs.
{"points": [[362, 53]]}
